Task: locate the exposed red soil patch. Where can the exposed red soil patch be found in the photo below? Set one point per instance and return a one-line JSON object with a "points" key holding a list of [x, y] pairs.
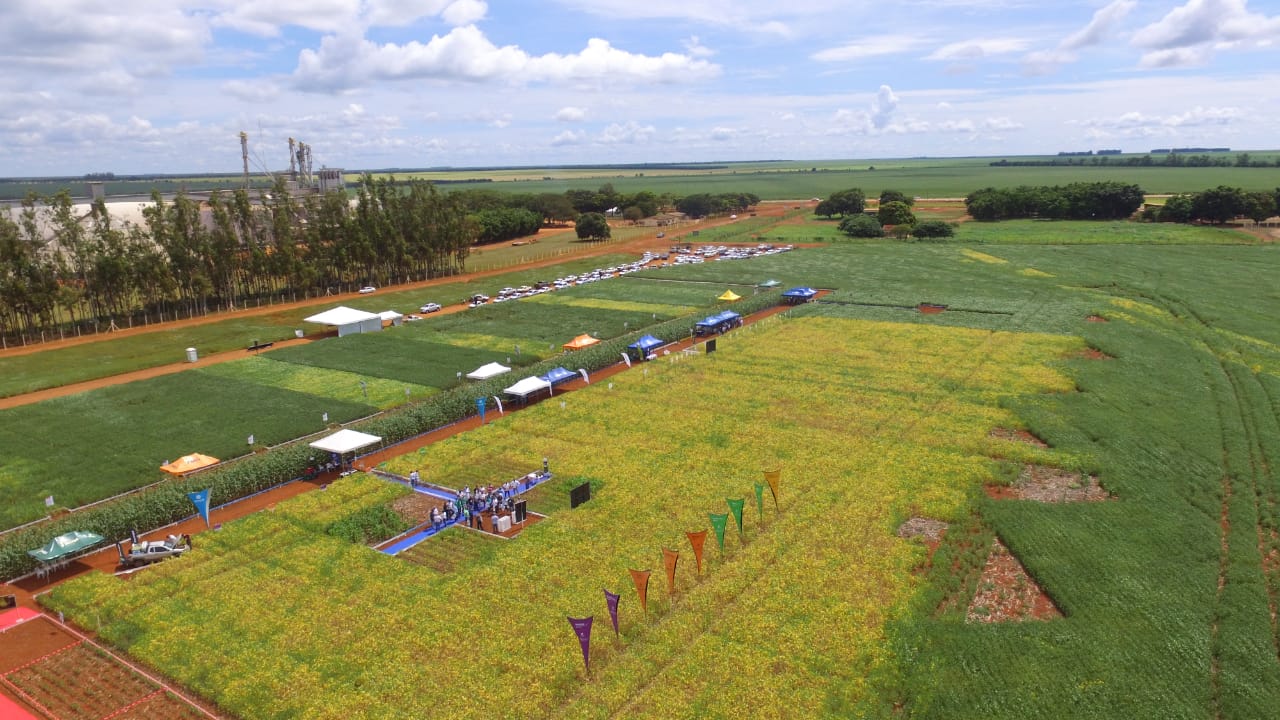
{"points": [[1006, 593], [1096, 318], [1021, 436], [49, 669], [927, 530], [1050, 485], [1091, 354]]}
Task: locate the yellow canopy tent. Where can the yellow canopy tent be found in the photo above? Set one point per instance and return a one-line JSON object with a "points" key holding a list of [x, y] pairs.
{"points": [[729, 296], [580, 342], [189, 463]]}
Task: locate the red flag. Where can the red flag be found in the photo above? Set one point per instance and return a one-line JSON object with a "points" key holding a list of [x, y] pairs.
{"points": [[696, 539], [670, 558], [641, 579]]}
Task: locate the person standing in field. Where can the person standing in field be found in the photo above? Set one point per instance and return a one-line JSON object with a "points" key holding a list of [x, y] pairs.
{"points": [[414, 477]]}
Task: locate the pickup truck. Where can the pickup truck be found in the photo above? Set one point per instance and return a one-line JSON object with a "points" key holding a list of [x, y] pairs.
{"points": [[149, 551]]}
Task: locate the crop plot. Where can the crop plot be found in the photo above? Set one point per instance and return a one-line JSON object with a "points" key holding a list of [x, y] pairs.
{"points": [[898, 429]]}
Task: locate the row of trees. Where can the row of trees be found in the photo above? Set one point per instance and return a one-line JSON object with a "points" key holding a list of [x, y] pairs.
{"points": [[1171, 159], [57, 264], [1217, 205], [1077, 201]]}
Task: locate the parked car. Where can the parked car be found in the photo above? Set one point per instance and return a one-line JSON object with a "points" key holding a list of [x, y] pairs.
{"points": [[368, 289], [430, 308], [144, 553]]}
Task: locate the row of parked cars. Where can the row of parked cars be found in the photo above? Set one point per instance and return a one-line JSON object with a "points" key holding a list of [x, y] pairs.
{"points": [[682, 255]]}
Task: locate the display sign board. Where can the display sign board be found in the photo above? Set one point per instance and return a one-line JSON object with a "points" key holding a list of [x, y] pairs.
{"points": [[579, 495]]}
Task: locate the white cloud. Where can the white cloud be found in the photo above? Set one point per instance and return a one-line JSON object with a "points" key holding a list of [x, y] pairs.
{"points": [[722, 134], [252, 91], [465, 12], [693, 45], [1137, 124], [883, 106], [629, 133], [1043, 62], [570, 113], [978, 49], [569, 137], [1189, 34], [869, 47], [345, 61]]}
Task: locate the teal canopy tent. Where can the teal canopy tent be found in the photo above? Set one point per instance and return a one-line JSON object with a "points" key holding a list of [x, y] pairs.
{"points": [[64, 545]]}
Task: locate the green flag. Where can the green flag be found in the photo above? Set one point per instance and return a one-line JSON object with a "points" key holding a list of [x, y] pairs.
{"points": [[735, 507], [760, 501], [718, 521]]}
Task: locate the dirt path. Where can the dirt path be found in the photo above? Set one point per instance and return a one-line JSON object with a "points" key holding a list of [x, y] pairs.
{"points": [[107, 559]]}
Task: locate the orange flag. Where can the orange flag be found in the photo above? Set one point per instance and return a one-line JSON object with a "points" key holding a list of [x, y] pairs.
{"points": [[641, 579], [696, 539], [772, 477], [670, 558]]}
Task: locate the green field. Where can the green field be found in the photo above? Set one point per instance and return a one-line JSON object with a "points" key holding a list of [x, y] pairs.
{"points": [[95, 444], [876, 411]]}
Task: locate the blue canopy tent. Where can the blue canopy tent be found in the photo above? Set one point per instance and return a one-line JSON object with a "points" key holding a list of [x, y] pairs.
{"points": [[798, 295], [556, 376], [645, 345], [718, 323]]}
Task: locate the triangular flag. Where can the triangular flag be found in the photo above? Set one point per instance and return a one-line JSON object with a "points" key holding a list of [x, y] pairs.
{"points": [[582, 628], [772, 477], [641, 579], [718, 523], [760, 502], [612, 601], [735, 507], [670, 558], [201, 501], [696, 539]]}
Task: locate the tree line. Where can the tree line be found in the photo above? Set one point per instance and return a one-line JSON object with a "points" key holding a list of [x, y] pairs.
{"points": [[1076, 201], [186, 257], [1216, 205], [1169, 159]]}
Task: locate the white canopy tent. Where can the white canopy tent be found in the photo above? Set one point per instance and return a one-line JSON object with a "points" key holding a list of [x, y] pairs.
{"points": [[345, 441], [349, 321], [484, 372], [527, 387], [392, 317]]}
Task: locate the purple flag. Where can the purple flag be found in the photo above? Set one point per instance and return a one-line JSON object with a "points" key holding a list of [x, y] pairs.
{"points": [[612, 601], [582, 628]]}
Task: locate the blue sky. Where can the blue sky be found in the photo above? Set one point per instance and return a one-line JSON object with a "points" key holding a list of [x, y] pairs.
{"points": [[167, 85]]}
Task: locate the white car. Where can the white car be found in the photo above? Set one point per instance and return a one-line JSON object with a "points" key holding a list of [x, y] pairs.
{"points": [[144, 553], [368, 289], [430, 308]]}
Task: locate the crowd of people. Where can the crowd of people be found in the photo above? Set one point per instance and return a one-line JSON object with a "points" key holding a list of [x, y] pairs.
{"points": [[471, 503]]}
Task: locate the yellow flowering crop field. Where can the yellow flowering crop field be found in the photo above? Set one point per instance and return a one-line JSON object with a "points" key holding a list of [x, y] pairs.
{"points": [[870, 422]]}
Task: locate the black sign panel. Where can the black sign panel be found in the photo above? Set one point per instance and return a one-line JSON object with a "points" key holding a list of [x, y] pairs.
{"points": [[579, 495]]}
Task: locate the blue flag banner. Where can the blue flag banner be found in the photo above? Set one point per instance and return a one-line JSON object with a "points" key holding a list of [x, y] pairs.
{"points": [[480, 407], [201, 501]]}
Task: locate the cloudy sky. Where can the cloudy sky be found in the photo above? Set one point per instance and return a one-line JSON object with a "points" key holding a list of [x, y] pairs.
{"points": [[166, 85]]}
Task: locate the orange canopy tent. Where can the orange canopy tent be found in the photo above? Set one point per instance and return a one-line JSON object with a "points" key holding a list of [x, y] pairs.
{"points": [[580, 342], [189, 463]]}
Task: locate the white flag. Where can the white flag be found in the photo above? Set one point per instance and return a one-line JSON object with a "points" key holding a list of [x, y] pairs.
{"points": [[48, 502]]}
